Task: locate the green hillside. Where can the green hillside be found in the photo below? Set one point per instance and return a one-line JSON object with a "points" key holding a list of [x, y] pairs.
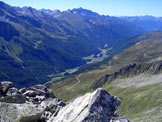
{"points": [[138, 86]]}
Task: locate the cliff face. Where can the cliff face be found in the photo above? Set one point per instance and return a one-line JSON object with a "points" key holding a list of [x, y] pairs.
{"points": [[131, 70]]}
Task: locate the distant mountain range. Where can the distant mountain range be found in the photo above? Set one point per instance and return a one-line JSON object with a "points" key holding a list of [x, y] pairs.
{"points": [[37, 43], [149, 23]]}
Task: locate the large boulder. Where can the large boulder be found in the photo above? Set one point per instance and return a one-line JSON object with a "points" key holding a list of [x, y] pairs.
{"points": [[42, 90], [17, 98], [30, 93], [38, 90], [22, 90], [37, 93], [52, 104], [6, 85], [12, 91], [98, 106], [20, 112]]}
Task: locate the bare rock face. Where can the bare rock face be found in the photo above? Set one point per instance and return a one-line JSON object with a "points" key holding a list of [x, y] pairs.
{"points": [[98, 106], [20, 112]]}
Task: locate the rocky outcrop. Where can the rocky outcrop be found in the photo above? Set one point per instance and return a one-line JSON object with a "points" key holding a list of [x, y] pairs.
{"points": [[33, 104], [9, 94], [37, 93], [131, 70], [98, 106], [12, 91], [20, 112], [38, 104]]}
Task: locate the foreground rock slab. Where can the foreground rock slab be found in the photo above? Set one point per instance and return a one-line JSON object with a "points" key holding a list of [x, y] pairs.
{"points": [[20, 112], [98, 106]]}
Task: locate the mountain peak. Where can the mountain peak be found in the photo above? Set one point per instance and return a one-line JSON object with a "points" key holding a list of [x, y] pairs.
{"points": [[48, 11], [2, 3], [83, 12]]}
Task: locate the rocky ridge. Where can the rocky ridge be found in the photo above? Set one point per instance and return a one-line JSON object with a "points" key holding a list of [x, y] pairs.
{"points": [[38, 104], [130, 70]]}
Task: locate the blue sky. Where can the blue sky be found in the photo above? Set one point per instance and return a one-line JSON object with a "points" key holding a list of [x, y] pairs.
{"points": [[106, 7]]}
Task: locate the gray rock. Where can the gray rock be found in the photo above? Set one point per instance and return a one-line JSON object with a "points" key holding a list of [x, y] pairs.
{"points": [[12, 91], [30, 93], [1, 91], [98, 106], [0, 86], [2, 94], [18, 98], [6, 85], [119, 119], [46, 116], [22, 90], [42, 90], [53, 105], [20, 112], [37, 93]]}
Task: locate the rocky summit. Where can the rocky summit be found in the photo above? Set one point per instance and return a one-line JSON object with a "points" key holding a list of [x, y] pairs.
{"points": [[98, 106], [38, 104]]}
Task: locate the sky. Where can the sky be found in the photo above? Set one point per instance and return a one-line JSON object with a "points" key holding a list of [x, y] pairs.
{"points": [[103, 7]]}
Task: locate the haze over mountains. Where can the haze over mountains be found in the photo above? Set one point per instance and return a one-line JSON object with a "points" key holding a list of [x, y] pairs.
{"points": [[37, 43]]}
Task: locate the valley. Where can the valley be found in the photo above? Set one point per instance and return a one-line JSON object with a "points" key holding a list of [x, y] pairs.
{"points": [[133, 77], [43, 43], [77, 65]]}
